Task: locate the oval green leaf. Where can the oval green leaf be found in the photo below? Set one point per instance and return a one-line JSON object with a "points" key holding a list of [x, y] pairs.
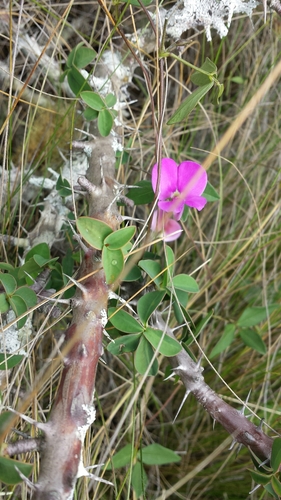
{"points": [[126, 343], [153, 269], [124, 321], [9, 283], [139, 480], [276, 454], [189, 104], [105, 122], [148, 303], [210, 193], [225, 340], [252, 316], [76, 81], [185, 283], [8, 473], [28, 295], [143, 357], [253, 340], [93, 100], [94, 231], [90, 114], [19, 307], [121, 458], [8, 361], [110, 100], [81, 57], [260, 478], [276, 485], [113, 263], [155, 454], [4, 304], [119, 238], [142, 193], [165, 344]]}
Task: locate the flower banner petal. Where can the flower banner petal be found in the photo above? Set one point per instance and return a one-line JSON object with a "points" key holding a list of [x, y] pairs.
{"points": [[192, 178], [168, 178]]}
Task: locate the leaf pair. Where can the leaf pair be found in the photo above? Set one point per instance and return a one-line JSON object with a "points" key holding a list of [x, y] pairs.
{"points": [[113, 244]]}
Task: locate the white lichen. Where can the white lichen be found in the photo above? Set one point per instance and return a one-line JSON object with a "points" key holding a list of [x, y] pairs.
{"points": [[209, 14]]}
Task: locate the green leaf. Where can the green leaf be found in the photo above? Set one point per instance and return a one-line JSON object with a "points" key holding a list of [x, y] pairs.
{"points": [[124, 321], [185, 283], [142, 193], [90, 114], [210, 193], [237, 79], [143, 357], [253, 340], [209, 66], [271, 491], [6, 418], [225, 340], [148, 303], [19, 307], [133, 275], [28, 295], [153, 269], [33, 267], [8, 282], [165, 344], [276, 485], [6, 266], [276, 454], [200, 79], [121, 458], [93, 100], [63, 187], [136, 2], [41, 249], [126, 343], [76, 81], [170, 262], [113, 263], [80, 56], [105, 122], [155, 454], [189, 104], [181, 296], [4, 304], [94, 231], [260, 478], [8, 361], [252, 316], [119, 238], [8, 473], [110, 100], [139, 479]]}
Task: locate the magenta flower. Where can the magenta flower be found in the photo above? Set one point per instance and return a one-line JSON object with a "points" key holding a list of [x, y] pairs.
{"points": [[165, 226], [179, 185]]}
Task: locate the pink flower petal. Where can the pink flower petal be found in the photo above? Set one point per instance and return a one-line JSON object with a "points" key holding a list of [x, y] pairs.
{"points": [[169, 228], [198, 202], [192, 179], [168, 178], [175, 206], [172, 230]]}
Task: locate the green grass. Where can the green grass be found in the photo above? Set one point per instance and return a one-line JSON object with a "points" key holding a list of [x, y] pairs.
{"points": [[239, 236]]}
